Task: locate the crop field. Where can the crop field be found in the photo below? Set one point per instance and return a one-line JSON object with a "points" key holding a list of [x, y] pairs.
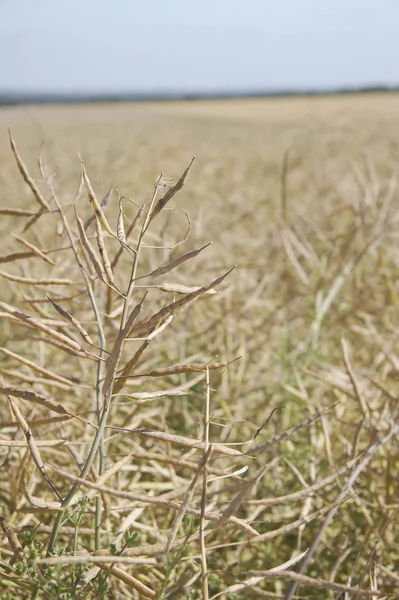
{"points": [[199, 359]]}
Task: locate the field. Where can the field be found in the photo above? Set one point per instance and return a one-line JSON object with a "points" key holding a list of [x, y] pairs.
{"points": [[182, 421]]}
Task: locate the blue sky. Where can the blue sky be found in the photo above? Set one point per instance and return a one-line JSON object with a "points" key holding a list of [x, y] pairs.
{"points": [[186, 45]]}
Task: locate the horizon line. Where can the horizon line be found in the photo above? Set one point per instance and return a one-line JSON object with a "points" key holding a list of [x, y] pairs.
{"points": [[13, 97]]}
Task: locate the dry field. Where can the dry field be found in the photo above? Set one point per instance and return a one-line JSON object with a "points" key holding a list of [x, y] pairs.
{"points": [[135, 462]]}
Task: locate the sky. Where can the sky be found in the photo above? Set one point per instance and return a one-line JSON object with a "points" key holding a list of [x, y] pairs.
{"points": [[204, 45]]}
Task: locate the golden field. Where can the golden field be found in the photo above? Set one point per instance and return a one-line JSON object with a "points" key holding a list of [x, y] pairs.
{"points": [[274, 476]]}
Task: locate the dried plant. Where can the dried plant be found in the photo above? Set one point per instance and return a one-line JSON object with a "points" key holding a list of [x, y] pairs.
{"points": [[170, 428]]}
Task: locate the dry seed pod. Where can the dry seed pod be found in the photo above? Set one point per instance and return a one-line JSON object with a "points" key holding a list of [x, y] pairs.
{"points": [[32, 379], [36, 368], [104, 254], [120, 229], [34, 219], [80, 189], [128, 368], [175, 262], [26, 176], [166, 310], [98, 267], [34, 397], [30, 281], [11, 536], [40, 503], [103, 204], [176, 288], [114, 357], [170, 193], [36, 251], [130, 581], [89, 248], [40, 399], [15, 256], [16, 212], [71, 319], [34, 450], [94, 202], [241, 497], [60, 337], [187, 368], [126, 246], [180, 440]]}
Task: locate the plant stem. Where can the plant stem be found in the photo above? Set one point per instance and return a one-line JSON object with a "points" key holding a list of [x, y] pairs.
{"points": [[102, 418]]}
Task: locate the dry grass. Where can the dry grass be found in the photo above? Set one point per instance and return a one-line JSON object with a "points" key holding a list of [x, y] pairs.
{"points": [[138, 457]]}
